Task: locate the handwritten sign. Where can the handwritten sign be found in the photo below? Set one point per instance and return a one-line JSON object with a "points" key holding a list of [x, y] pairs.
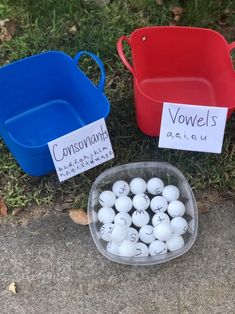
{"points": [[191, 127], [81, 150]]}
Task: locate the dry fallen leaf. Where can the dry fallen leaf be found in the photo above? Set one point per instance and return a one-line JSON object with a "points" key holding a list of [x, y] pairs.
{"points": [[79, 216], [7, 29], [3, 22], [17, 211], [13, 288], [177, 10], [177, 18], [176, 14], [202, 208], [159, 2], [3, 208], [73, 29], [4, 35]]}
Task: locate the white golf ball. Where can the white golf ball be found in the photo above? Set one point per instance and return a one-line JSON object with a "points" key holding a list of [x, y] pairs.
{"points": [[121, 188], [155, 186], [106, 214], [176, 242], [140, 218], [113, 247], [119, 233], [133, 235], [138, 185], [157, 248], [158, 204], [160, 218], [141, 201], [176, 209], [123, 219], [163, 231], [107, 199], [141, 250], [123, 204], [179, 225], [171, 193], [105, 231], [146, 234], [127, 249]]}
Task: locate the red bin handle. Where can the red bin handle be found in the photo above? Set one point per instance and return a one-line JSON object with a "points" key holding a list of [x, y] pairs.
{"points": [[121, 53]]}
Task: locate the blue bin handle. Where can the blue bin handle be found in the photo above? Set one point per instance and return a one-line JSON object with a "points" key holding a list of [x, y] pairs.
{"points": [[98, 61]]}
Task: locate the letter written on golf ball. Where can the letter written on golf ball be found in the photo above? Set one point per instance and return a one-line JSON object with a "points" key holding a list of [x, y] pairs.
{"points": [[176, 209], [141, 201], [127, 249], [123, 204], [146, 234], [123, 219], [176, 242], [171, 193], [119, 233], [121, 188], [158, 204], [155, 186], [107, 199], [157, 248], [106, 214], [140, 218], [113, 247], [138, 185], [159, 218], [106, 231], [133, 235], [163, 231], [141, 250], [179, 225]]}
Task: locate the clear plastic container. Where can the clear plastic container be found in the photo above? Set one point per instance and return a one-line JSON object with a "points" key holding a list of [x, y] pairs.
{"points": [[146, 170]]}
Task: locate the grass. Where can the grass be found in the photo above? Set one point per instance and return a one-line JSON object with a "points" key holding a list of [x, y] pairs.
{"points": [[44, 25]]}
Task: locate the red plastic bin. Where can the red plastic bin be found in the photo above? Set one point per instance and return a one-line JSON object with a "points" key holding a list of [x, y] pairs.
{"points": [[178, 64]]}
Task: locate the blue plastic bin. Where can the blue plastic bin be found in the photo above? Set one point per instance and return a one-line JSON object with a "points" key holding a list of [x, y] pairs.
{"points": [[44, 97]]}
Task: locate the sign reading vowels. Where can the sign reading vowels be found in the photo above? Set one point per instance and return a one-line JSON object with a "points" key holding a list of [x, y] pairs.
{"points": [[192, 127], [81, 150]]}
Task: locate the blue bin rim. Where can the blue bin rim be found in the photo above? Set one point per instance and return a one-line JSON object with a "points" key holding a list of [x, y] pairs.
{"points": [[25, 59], [75, 60]]}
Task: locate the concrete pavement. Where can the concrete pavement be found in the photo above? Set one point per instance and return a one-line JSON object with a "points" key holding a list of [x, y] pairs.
{"points": [[58, 269]]}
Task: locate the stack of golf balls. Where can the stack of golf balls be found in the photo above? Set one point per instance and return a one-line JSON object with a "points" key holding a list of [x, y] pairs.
{"points": [[142, 218]]}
